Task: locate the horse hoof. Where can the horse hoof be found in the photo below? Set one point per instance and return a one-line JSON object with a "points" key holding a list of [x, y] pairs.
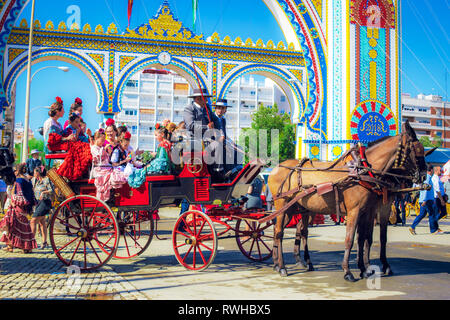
{"points": [[301, 264], [310, 267], [283, 272], [276, 268], [366, 275], [349, 277], [388, 271]]}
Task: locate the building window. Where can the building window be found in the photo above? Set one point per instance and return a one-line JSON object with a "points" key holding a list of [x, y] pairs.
{"points": [[282, 98], [439, 123], [439, 134], [423, 110]]}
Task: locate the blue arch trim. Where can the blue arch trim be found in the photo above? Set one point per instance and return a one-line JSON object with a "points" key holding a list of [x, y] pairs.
{"points": [[101, 88], [262, 67], [142, 64]]}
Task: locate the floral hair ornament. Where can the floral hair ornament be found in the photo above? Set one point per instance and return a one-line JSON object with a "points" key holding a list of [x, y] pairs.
{"points": [[59, 100], [78, 101], [101, 130], [127, 135], [110, 122], [157, 126]]}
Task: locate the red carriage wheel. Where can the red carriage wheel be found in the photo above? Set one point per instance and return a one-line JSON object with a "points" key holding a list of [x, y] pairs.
{"points": [[194, 240], [255, 240], [136, 230], [84, 232]]}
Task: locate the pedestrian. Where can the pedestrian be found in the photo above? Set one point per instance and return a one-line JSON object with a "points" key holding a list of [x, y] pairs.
{"points": [[427, 205], [15, 225], [33, 162], [3, 195], [400, 206], [254, 194], [43, 191], [439, 195]]}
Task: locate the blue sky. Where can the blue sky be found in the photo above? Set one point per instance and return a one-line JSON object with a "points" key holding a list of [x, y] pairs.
{"points": [[425, 43]]}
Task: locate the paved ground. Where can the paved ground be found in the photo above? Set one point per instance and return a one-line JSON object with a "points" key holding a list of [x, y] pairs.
{"points": [[421, 264]]}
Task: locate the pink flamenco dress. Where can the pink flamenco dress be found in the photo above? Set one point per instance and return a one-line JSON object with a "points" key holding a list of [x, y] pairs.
{"points": [[106, 177], [16, 229]]}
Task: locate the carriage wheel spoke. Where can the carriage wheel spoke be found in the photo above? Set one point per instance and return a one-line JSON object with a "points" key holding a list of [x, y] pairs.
{"points": [[195, 225], [85, 254], [95, 252], [201, 243], [264, 243], [259, 249], [246, 240], [201, 229], [180, 245], [187, 253], [92, 213], [72, 215], [67, 224], [195, 253], [126, 244], [187, 226], [135, 241], [201, 254], [185, 235], [66, 245], [76, 249], [251, 248], [103, 245]]}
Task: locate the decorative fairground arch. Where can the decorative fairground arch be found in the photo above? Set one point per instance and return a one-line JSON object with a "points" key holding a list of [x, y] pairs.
{"points": [[338, 57]]}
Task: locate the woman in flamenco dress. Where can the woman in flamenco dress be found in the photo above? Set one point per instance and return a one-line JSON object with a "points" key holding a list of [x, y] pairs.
{"points": [[78, 159]]}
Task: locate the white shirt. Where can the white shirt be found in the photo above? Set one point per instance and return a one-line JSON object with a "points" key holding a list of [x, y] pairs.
{"points": [[438, 186]]}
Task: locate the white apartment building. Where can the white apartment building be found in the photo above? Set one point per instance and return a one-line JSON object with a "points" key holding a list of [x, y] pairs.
{"points": [[154, 95], [429, 115]]}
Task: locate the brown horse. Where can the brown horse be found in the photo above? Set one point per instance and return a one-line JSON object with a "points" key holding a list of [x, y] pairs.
{"points": [[354, 198]]}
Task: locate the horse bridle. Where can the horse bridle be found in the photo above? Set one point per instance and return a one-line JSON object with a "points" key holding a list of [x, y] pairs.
{"points": [[408, 152]]}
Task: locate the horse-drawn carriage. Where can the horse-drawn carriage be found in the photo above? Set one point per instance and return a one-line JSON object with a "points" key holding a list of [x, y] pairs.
{"points": [[87, 232]]}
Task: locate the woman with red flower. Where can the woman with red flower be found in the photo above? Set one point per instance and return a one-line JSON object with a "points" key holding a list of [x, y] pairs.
{"points": [[78, 159]]}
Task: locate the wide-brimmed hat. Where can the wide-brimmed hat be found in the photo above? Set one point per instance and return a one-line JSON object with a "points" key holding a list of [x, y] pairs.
{"points": [[221, 103], [199, 93], [35, 151]]}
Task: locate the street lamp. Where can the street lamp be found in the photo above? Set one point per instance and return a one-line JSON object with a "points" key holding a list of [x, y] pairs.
{"points": [[27, 106]]}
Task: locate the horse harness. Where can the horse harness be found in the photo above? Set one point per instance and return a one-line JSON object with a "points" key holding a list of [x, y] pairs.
{"points": [[359, 171]]}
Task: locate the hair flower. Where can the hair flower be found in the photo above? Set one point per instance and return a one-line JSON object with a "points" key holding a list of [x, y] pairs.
{"points": [[110, 122]]}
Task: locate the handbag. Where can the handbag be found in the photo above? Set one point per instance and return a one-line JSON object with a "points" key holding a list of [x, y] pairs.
{"points": [[17, 197]]}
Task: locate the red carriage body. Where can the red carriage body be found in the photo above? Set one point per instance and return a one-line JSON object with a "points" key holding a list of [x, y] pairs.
{"points": [[95, 231]]}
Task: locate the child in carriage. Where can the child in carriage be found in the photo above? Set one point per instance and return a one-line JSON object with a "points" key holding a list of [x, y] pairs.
{"points": [[162, 163], [122, 158], [75, 127], [105, 177]]}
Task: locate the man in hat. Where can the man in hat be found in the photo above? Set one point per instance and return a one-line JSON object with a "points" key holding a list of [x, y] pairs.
{"points": [[33, 162], [202, 124], [230, 150], [197, 115]]}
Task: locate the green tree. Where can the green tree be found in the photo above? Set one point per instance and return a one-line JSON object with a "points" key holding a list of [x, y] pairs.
{"points": [[32, 144], [428, 143], [268, 119]]}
